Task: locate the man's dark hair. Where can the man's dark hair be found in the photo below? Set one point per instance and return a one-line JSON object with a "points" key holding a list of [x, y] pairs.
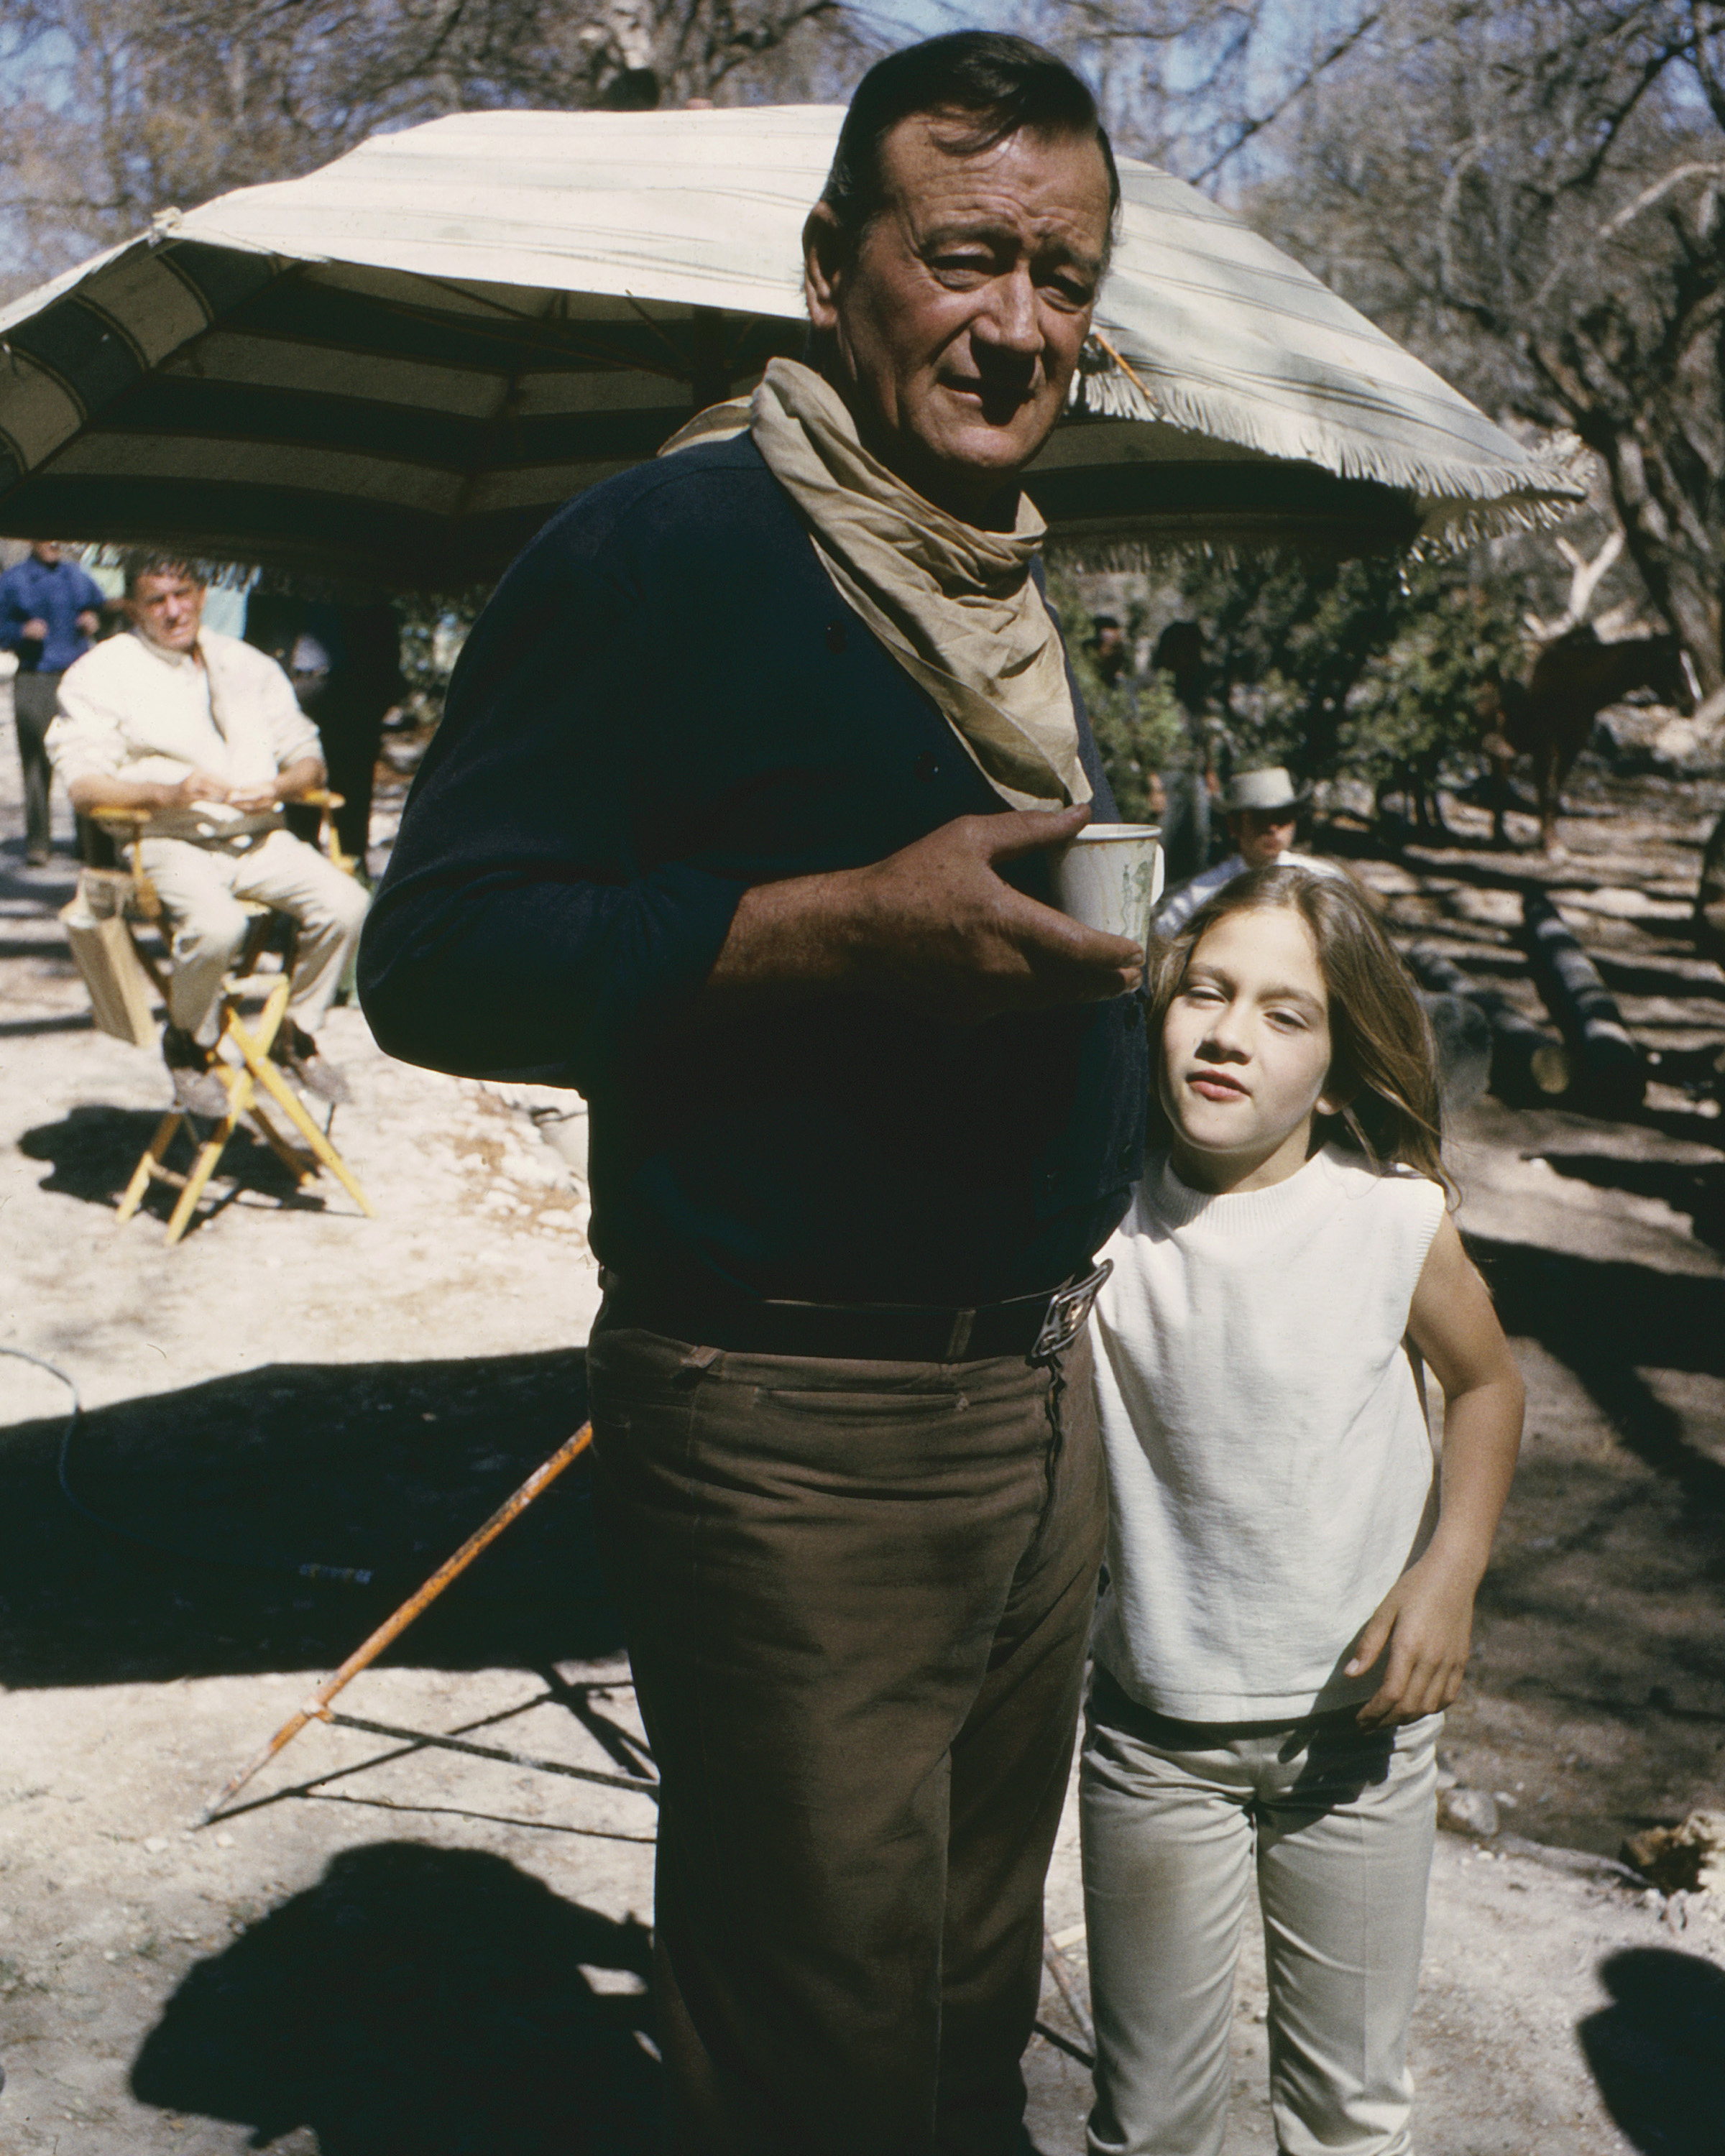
{"points": [[1000, 83], [159, 561]]}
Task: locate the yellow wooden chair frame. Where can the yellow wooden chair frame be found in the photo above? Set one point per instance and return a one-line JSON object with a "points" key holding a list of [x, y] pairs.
{"points": [[252, 1040]]}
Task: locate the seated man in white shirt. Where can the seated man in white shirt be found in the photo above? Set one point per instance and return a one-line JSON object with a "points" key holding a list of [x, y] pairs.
{"points": [[205, 733], [1262, 808]]}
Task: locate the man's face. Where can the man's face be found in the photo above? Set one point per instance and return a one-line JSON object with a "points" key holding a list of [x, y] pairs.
{"points": [[957, 321], [1261, 834], [46, 551], [167, 609]]}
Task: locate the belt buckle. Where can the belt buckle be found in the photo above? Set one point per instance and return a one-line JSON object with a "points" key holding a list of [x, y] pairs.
{"points": [[1068, 1307]]}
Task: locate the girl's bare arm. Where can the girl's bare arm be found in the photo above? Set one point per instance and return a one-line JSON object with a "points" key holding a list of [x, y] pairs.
{"points": [[1426, 1620]]}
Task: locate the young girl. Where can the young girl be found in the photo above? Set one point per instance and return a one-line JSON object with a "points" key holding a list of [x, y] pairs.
{"points": [[1289, 1602]]}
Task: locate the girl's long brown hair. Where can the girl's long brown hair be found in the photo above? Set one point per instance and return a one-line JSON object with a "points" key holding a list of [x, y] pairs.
{"points": [[1383, 1059]]}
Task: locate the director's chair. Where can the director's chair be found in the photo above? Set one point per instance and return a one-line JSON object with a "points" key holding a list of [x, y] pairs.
{"points": [[252, 1040]]}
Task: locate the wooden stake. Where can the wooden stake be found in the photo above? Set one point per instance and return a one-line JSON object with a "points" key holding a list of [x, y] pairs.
{"points": [[420, 1600], [1125, 367], [1054, 1961]]}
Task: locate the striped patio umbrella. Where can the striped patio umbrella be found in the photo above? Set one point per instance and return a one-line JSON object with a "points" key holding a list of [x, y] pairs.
{"points": [[399, 365]]}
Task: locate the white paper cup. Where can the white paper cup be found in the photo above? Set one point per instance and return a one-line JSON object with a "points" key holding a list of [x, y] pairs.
{"points": [[1109, 877]]}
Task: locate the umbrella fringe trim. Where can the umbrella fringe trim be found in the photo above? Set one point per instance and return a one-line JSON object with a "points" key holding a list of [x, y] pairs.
{"points": [[1541, 491]]}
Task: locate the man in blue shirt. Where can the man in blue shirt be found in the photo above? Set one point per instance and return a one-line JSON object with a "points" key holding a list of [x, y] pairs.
{"points": [[50, 609]]}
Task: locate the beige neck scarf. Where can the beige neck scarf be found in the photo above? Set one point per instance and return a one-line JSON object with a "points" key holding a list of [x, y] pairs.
{"points": [[957, 607]]}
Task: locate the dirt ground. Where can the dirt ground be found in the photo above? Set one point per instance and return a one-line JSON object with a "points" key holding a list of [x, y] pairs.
{"points": [[387, 1948]]}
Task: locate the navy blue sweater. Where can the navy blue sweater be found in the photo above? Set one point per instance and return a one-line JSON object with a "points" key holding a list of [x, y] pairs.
{"points": [[666, 702]]}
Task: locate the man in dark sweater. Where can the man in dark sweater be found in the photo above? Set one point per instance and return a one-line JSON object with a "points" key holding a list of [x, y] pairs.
{"points": [[770, 887]]}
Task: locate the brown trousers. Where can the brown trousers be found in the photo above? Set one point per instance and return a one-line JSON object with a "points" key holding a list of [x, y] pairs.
{"points": [[858, 1596]]}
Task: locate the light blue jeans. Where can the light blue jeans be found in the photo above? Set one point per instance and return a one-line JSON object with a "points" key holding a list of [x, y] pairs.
{"points": [[1339, 1825]]}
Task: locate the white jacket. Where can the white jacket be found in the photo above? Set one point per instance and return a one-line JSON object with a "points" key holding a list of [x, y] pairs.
{"points": [[128, 709]]}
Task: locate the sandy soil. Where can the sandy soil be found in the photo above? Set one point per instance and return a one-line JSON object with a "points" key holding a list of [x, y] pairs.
{"points": [[391, 1948]]}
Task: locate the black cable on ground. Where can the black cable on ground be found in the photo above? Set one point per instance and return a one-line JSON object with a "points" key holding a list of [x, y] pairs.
{"points": [[245, 1561]]}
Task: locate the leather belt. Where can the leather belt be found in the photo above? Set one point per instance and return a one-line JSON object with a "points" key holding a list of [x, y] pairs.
{"points": [[1037, 1327]]}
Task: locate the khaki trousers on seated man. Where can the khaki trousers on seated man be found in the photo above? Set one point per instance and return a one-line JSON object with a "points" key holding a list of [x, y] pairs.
{"points": [[204, 734], [202, 887]]}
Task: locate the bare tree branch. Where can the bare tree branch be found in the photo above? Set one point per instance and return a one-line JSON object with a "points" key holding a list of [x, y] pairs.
{"points": [[119, 108], [1657, 193], [1297, 91]]}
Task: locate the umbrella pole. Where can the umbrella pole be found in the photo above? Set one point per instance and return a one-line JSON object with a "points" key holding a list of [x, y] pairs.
{"points": [[421, 1600]]}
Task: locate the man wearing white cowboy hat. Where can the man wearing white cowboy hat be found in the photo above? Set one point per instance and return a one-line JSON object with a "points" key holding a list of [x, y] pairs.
{"points": [[1262, 808]]}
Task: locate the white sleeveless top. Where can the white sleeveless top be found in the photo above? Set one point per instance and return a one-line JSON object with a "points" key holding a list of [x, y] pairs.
{"points": [[1272, 1472]]}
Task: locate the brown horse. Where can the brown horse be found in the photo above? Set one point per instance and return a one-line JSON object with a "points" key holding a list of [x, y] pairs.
{"points": [[1550, 720]]}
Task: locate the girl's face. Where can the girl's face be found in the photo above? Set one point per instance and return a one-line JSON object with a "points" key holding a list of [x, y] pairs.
{"points": [[1245, 1052]]}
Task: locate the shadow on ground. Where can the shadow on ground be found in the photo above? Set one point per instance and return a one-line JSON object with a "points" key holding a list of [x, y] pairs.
{"points": [[18, 1029], [1658, 2051], [386, 1466], [94, 1151], [1609, 1321], [1697, 1191], [417, 2002], [1599, 1674], [1628, 977]]}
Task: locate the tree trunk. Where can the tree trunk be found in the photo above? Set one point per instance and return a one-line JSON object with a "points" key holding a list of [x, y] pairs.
{"points": [[1683, 583]]}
